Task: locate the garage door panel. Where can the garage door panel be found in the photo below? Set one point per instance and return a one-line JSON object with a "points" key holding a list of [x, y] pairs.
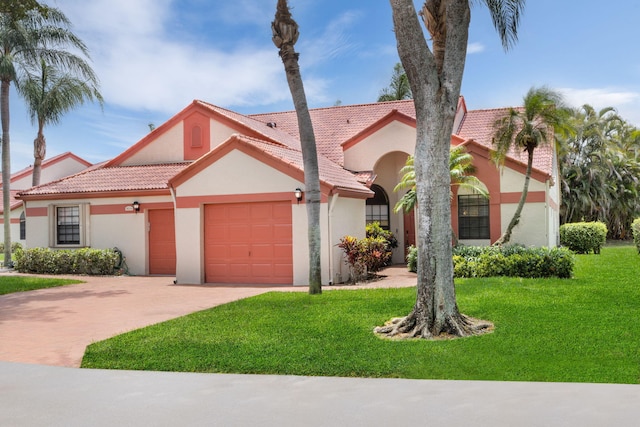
{"points": [[257, 238], [282, 232]]}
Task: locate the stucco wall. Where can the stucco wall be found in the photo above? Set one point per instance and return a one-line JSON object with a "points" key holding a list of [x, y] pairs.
{"points": [[166, 148], [238, 173], [189, 246], [512, 182], [395, 136], [532, 230], [346, 217]]}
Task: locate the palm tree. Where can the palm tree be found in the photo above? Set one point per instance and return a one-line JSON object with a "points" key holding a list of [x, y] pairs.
{"points": [[399, 88], [525, 129], [25, 38], [285, 36], [460, 169], [49, 95], [435, 77], [600, 166]]}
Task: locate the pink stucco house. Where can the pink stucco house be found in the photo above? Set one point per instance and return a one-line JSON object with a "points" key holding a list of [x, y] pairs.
{"points": [[210, 195]]}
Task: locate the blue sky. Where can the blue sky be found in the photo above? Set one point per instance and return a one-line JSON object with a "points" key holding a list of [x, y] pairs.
{"points": [[153, 57]]}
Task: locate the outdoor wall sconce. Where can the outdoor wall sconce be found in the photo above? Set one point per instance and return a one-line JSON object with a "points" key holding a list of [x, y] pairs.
{"points": [[298, 194], [136, 207]]}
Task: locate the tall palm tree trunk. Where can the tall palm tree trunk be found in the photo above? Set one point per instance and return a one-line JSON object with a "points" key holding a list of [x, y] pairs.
{"points": [[285, 35], [39, 153], [506, 236], [6, 169]]}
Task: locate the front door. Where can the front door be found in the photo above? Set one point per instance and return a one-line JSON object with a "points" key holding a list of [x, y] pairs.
{"points": [[162, 242], [409, 230]]}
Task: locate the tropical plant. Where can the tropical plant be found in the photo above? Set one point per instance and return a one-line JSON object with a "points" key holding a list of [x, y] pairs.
{"points": [[29, 32], [600, 169], [460, 168], [285, 36], [398, 88], [435, 77], [49, 95], [525, 129]]}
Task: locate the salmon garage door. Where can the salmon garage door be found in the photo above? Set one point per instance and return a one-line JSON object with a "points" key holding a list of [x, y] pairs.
{"points": [[248, 243], [162, 242]]}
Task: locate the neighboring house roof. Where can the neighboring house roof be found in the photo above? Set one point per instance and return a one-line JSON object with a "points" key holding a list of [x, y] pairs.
{"points": [[24, 173], [106, 181], [14, 203]]}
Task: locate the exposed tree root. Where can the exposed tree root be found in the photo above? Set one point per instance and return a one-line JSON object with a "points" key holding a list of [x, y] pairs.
{"points": [[450, 327]]}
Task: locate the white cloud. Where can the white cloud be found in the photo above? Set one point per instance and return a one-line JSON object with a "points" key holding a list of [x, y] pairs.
{"points": [[626, 102], [475, 48]]}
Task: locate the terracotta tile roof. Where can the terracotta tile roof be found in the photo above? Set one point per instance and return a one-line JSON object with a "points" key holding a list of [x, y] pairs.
{"points": [[330, 173], [334, 125], [14, 203], [262, 128], [479, 126], [111, 179]]}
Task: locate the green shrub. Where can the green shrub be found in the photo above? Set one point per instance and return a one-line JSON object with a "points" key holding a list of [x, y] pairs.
{"points": [[583, 237], [512, 261], [84, 261], [412, 259], [635, 229], [374, 230], [14, 246]]}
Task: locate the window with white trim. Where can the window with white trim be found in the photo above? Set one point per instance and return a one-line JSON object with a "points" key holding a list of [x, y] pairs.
{"points": [[68, 226], [23, 226]]}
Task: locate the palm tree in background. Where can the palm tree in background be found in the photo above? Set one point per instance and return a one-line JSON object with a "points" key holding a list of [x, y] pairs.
{"points": [[398, 88], [26, 37], [600, 169], [460, 169], [49, 95], [285, 36], [525, 129]]}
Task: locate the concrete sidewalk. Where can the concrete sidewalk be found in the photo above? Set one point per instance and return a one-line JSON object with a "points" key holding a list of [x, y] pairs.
{"points": [[53, 326], [35, 395]]}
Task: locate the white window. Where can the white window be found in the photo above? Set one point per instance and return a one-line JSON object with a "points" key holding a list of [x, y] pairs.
{"points": [[68, 225]]}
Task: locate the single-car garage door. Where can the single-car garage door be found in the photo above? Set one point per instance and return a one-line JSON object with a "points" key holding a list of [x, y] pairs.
{"points": [[248, 243]]}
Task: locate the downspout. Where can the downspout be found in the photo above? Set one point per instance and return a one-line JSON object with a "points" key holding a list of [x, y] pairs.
{"points": [[332, 204], [175, 215]]}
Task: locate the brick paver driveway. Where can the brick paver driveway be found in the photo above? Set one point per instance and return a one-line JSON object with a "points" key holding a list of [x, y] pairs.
{"points": [[54, 326]]}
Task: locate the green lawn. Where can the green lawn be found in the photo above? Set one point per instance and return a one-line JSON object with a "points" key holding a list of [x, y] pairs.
{"points": [[584, 329], [10, 284]]}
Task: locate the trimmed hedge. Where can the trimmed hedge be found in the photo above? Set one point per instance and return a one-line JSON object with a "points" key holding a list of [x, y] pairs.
{"points": [[583, 237], [509, 260], [635, 229], [85, 261]]}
